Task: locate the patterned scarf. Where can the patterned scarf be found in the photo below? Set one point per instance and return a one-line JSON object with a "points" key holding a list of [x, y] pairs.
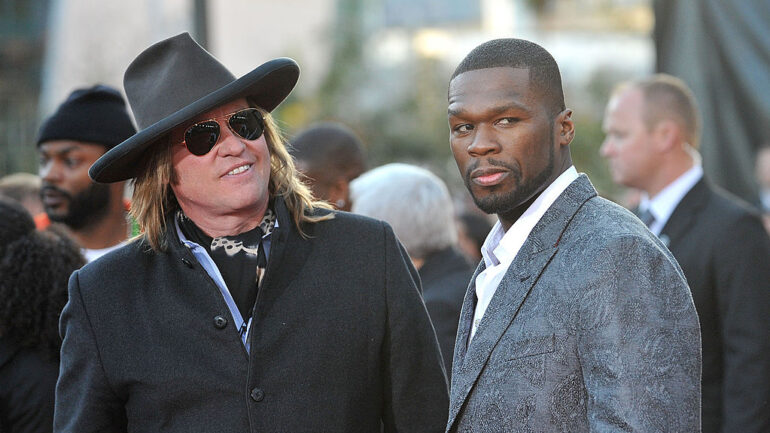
{"points": [[241, 258]]}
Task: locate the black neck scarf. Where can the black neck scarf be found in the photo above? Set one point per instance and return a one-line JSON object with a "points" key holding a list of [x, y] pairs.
{"points": [[240, 258]]}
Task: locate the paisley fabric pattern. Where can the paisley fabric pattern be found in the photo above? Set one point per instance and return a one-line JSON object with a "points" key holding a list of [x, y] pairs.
{"points": [[593, 328]]}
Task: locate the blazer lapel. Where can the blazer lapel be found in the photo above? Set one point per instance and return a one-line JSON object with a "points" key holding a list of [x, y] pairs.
{"points": [[534, 256], [466, 319]]}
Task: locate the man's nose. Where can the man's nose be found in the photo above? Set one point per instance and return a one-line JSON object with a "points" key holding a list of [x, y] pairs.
{"points": [[484, 142], [50, 172], [606, 148], [229, 142]]}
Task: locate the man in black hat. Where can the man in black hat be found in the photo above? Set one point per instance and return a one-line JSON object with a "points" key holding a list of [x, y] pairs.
{"points": [[86, 125], [245, 305]]}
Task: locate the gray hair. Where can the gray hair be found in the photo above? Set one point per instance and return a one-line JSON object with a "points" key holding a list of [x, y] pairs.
{"points": [[414, 201]]}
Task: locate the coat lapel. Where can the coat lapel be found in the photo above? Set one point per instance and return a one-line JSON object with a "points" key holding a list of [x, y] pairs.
{"points": [[288, 253], [680, 221], [534, 256]]}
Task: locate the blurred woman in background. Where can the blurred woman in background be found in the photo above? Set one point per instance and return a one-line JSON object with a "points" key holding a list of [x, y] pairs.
{"points": [[34, 270]]}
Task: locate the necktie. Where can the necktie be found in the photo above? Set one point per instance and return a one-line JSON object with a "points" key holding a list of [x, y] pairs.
{"points": [[647, 217]]}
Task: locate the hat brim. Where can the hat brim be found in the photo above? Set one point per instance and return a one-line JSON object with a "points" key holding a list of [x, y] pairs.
{"points": [[266, 87]]}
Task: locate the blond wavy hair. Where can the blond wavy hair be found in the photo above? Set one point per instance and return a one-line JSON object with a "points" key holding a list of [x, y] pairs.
{"points": [[153, 200]]}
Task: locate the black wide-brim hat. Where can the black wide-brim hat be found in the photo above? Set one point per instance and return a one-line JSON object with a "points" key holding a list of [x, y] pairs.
{"points": [[176, 80]]}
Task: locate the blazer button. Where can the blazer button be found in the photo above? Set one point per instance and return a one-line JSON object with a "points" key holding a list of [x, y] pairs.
{"points": [[220, 322], [257, 394], [187, 263]]}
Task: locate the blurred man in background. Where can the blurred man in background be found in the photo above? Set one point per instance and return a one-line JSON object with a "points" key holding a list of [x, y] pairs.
{"points": [[25, 189], [330, 155], [472, 229], [86, 125], [652, 132], [416, 203]]}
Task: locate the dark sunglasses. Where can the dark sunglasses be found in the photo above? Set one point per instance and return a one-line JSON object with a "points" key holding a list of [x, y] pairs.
{"points": [[201, 137]]}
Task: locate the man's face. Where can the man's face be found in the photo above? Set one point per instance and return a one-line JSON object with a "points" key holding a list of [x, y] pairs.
{"points": [[68, 194], [628, 146], [502, 137], [230, 180]]}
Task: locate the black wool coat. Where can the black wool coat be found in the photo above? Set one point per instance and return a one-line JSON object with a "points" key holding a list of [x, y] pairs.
{"points": [[340, 341]]}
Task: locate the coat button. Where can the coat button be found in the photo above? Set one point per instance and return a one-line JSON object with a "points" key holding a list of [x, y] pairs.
{"points": [[220, 322], [188, 263], [257, 394]]}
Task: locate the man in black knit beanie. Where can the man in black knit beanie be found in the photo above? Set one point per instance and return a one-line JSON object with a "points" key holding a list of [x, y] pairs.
{"points": [[86, 125]]}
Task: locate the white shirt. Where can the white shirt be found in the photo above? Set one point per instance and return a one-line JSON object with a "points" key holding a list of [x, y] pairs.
{"points": [[663, 204], [500, 247], [91, 254]]}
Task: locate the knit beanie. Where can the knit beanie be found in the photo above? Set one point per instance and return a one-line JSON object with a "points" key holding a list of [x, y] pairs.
{"points": [[94, 115]]}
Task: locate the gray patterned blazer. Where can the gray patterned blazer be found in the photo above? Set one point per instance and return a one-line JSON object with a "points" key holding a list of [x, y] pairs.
{"points": [[593, 328]]}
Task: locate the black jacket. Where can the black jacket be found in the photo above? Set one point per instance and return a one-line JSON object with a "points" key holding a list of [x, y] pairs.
{"points": [[445, 276], [27, 382], [724, 252], [340, 341]]}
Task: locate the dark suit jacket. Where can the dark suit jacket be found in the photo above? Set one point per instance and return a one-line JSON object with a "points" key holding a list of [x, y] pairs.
{"points": [[340, 341], [592, 328], [724, 252], [445, 275]]}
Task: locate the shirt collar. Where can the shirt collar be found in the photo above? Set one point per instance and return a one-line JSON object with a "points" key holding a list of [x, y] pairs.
{"points": [[663, 204], [502, 247]]}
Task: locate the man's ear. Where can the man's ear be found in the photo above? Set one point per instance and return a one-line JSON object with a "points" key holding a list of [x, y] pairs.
{"points": [[338, 193], [565, 127], [667, 135]]}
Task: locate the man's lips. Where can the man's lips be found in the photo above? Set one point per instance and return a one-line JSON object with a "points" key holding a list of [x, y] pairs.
{"points": [[237, 169], [488, 176], [52, 198]]}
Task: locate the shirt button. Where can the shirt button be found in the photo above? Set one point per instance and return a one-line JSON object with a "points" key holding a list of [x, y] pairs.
{"points": [[220, 322], [257, 394]]}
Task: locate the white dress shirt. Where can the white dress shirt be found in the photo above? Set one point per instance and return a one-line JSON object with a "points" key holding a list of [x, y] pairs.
{"points": [[663, 204], [500, 247], [92, 254]]}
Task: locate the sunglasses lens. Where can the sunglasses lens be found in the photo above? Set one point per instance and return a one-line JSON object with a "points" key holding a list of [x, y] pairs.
{"points": [[247, 123], [201, 137]]}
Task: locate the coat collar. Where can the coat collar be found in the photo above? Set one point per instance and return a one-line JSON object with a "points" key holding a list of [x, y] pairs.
{"points": [[680, 221], [288, 253], [537, 251]]}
